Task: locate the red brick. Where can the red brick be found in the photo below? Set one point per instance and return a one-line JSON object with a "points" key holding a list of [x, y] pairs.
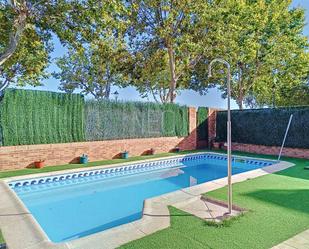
{"points": [[271, 150], [17, 157]]}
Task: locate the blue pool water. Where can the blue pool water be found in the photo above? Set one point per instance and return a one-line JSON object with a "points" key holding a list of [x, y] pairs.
{"points": [[74, 208]]}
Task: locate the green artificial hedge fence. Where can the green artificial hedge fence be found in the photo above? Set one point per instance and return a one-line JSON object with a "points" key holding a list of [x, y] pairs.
{"points": [[175, 120], [39, 117], [202, 123], [118, 120], [267, 126]]}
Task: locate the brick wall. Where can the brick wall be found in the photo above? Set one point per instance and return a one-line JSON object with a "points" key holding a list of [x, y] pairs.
{"points": [[271, 150], [212, 116], [252, 148], [17, 157]]}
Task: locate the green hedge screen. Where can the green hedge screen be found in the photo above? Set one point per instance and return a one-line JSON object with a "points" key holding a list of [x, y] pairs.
{"points": [[39, 117], [202, 124], [267, 126], [117, 120], [175, 120]]}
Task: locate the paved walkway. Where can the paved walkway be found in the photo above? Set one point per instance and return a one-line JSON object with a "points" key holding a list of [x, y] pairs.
{"points": [[206, 210], [300, 241]]}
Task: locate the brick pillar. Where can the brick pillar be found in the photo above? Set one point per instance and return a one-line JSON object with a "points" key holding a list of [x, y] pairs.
{"points": [[212, 116], [192, 127], [189, 142]]}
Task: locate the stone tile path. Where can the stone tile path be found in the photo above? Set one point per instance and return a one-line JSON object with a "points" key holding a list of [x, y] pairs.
{"points": [[299, 241], [205, 209]]}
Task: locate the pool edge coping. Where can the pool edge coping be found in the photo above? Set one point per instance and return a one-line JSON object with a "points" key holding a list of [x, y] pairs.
{"points": [[116, 165], [155, 212]]}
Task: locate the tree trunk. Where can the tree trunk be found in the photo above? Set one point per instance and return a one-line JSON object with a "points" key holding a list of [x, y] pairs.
{"points": [[107, 90], [18, 29], [173, 82], [154, 95], [4, 85], [240, 103], [240, 98], [163, 96]]}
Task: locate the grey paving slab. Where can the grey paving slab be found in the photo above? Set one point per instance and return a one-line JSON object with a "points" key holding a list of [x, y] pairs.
{"points": [[299, 241], [283, 246], [111, 238], [205, 210]]}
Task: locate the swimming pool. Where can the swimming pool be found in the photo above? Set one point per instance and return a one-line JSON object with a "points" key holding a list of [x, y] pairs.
{"points": [[74, 205]]}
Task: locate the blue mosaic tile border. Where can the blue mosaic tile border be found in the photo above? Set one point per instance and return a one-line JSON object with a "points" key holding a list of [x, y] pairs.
{"points": [[132, 169]]}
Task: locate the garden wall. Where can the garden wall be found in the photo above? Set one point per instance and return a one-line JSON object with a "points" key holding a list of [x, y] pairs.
{"points": [[18, 157], [262, 130], [271, 150]]}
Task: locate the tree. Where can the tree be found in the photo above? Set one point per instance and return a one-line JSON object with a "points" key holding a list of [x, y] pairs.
{"points": [[27, 65], [27, 26], [151, 75], [173, 29], [23, 51], [95, 68], [282, 95], [263, 40]]}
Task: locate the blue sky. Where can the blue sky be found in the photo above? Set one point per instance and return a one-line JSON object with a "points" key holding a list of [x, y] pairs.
{"points": [[188, 97]]}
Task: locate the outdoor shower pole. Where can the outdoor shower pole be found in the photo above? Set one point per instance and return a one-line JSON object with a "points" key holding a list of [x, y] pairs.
{"points": [[229, 129], [285, 135]]}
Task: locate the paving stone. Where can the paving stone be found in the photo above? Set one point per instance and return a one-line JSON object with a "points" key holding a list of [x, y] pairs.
{"points": [[205, 210], [299, 241]]}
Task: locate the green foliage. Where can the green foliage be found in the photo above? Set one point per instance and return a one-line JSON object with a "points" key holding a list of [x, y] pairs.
{"points": [[117, 120], [284, 95], [33, 23], [227, 222], [264, 42], [29, 62], [267, 126], [36, 117], [202, 123], [151, 75], [169, 39], [95, 69]]}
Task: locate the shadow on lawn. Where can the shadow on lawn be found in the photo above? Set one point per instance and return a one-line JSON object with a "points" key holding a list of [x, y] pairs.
{"points": [[296, 171], [292, 199]]}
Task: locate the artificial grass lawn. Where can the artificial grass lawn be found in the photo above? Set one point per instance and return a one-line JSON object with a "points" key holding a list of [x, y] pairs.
{"points": [[1, 238], [279, 209], [29, 171]]}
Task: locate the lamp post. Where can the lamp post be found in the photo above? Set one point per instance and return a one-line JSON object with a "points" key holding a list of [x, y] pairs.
{"points": [[116, 95], [229, 135]]}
